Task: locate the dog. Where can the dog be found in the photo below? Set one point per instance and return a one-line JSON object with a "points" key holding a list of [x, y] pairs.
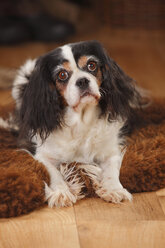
{"points": [[75, 104]]}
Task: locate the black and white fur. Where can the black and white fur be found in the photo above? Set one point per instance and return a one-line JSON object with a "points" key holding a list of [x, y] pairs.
{"points": [[82, 122]]}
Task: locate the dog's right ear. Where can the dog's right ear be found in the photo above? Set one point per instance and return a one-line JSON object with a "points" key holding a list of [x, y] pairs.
{"points": [[39, 104]]}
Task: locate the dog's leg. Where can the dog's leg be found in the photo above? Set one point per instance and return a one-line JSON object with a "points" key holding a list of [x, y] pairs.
{"points": [[110, 188], [57, 193]]}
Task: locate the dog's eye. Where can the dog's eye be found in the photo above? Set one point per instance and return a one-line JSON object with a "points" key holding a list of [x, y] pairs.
{"points": [[63, 75], [92, 66]]}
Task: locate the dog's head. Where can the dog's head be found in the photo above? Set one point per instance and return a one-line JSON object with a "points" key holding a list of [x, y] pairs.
{"points": [[74, 76]]}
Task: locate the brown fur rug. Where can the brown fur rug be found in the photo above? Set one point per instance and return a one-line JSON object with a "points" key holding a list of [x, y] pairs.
{"points": [[143, 169]]}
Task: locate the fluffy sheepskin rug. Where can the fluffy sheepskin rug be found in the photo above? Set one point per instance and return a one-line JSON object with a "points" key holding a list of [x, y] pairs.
{"points": [[143, 169]]}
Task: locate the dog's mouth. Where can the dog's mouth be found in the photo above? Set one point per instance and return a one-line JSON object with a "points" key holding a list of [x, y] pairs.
{"points": [[87, 98], [85, 94], [89, 94]]}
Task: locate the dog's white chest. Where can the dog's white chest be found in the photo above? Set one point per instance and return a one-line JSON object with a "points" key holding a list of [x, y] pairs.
{"points": [[88, 139]]}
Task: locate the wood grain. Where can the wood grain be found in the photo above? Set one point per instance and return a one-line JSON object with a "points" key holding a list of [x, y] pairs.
{"points": [[140, 223], [93, 223], [144, 206], [133, 234], [44, 228]]}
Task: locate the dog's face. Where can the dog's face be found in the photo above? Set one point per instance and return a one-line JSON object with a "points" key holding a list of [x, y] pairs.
{"points": [[78, 77], [74, 76]]}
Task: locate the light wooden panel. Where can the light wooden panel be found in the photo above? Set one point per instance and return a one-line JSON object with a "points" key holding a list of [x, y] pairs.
{"points": [[132, 234], [45, 229], [143, 207]]}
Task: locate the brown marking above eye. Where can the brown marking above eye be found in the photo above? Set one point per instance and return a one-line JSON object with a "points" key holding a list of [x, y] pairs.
{"points": [[82, 61], [66, 66]]}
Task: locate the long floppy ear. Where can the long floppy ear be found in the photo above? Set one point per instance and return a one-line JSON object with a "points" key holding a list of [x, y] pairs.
{"points": [[119, 94], [41, 109]]}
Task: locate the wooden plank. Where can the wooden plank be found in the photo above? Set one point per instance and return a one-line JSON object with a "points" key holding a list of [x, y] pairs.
{"points": [[138, 224], [43, 228], [145, 206], [162, 202], [161, 192], [117, 234], [161, 197]]}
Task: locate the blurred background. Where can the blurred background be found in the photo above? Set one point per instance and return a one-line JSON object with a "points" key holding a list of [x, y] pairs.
{"points": [[132, 31]]}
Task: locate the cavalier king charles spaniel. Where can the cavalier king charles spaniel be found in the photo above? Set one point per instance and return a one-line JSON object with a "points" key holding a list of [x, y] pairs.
{"points": [[74, 104]]}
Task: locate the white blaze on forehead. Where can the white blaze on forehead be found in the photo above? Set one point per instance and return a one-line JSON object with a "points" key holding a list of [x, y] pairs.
{"points": [[68, 55]]}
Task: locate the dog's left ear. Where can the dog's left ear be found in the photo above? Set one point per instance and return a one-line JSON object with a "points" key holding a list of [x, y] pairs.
{"points": [[41, 109], [119, 92]]}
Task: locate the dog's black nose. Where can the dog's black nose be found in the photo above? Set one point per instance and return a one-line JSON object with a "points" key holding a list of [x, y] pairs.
{"points": [[82, 83]]}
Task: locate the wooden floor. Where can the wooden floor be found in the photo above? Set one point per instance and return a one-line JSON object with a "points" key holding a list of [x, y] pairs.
{"points": [[93, 223]]}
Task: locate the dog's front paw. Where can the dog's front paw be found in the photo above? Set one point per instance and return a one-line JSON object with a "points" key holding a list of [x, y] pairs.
{"points": [[59, 197], [115, 195]]}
